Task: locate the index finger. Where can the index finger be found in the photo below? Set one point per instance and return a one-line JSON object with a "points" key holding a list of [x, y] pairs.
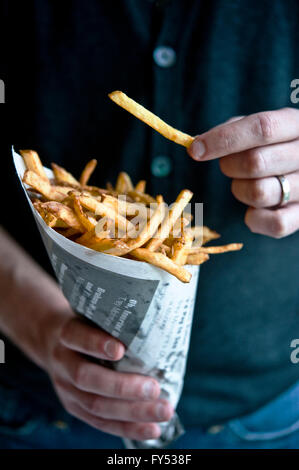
{"points": [[94, 378], [81, 337], [249, 132]]}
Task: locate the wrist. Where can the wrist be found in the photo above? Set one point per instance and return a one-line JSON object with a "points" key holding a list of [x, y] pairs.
{"points": [[49, 326], [31, 304]]}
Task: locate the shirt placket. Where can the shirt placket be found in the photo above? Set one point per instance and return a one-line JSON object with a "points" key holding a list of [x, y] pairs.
{"points": [[165, 73]]}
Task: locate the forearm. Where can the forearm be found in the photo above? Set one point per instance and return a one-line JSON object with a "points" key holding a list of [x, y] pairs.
{"points": [[30, 300]]}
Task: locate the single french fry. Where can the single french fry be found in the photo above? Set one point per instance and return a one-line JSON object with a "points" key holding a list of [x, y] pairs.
{"points": [[180, 248], [64, 189], [33, 163], [163, 262], [64, 213], [124, 183], [87, 172], [42, 186], [170, 219], [150, 119], [87, 222], [108, 246], [197, 258], [140, 186], [63, 176], [221, 248]]}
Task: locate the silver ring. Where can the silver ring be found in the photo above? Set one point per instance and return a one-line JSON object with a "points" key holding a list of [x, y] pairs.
{"points": [[285, 190]]}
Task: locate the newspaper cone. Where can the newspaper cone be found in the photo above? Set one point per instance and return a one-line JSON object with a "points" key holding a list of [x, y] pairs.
{"points": [[146, 308]]}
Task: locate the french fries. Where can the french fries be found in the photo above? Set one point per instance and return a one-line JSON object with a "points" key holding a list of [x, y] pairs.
{"points": [[150, 119], [64, 213], [87, 172], [33, 163], [150, 228], [63, 176], [181, 248], [162, 261], [105, 211], [140, 186], [123, 220], [87, 221], [123, 183], [198, 258], [50, 219], [220, 249], [169, 221], [42, 186]]}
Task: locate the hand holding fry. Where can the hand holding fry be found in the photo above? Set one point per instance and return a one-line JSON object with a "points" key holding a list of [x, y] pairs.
{"points": [[254, 150]]}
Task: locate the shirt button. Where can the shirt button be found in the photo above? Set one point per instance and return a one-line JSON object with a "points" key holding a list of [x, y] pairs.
{"points": [[161, 166], [62, 425], [215, 429], [164, 56]]}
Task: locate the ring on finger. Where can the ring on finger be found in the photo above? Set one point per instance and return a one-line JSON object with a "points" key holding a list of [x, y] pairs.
{"points": [[285, 190]]}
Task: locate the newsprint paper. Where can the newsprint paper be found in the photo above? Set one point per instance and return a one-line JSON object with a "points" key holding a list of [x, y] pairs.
{"points": [[146, 308]]}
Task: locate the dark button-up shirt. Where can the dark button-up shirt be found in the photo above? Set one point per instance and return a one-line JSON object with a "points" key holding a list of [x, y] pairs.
{"points": [[195, 64]]}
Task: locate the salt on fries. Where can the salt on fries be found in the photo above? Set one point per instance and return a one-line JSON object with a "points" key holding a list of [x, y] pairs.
{"points": [[150, 119], [121, 220]]}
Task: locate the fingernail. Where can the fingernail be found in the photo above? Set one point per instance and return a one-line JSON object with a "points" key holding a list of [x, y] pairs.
{"points": [[162, 412], [148, 390], [197, 149], [111, 349]]}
